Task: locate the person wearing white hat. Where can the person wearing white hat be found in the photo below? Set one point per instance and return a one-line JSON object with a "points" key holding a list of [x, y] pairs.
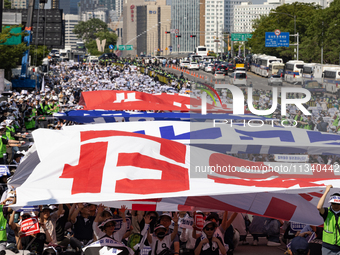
{"points": [[161, 241], [330, 215]]}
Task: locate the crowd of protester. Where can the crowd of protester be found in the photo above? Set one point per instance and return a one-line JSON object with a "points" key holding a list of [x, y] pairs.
{"points": [[72, 226]]}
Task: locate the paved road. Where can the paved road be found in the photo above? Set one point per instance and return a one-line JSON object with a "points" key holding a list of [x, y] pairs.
{"points": [[257, 81]]}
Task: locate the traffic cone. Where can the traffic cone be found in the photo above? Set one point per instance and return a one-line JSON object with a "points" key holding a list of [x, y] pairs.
{"points": [[196, 75], [215, 81]]}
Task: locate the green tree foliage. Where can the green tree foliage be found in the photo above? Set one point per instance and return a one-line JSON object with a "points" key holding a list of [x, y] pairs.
{"points": [[10, 55], [88, 30], [38, 53], [305, 15], [92, 29], [8, 4]]}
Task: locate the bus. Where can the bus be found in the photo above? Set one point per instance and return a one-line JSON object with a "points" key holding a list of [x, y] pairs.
{"points": [[258, 63], [293, 71], [319, 69], [331, 80], [274, 67], [308, 71], [265, 64], [201, 51], [253, 62]]}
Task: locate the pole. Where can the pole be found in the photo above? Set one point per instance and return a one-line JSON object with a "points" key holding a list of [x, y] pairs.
{"points": [[322, 45], [297, 46], [1, 4], [297, 58]]}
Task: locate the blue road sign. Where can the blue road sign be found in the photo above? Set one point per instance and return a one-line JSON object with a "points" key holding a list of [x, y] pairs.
{"points": [[111, 47], [170, 48], [273, 40]]}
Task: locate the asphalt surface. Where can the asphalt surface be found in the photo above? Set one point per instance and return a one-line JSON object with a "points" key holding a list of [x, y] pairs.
{"points": [[257, 81]]}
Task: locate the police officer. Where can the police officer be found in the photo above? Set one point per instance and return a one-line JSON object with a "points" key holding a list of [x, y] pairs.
{"points": [[331, 230]]}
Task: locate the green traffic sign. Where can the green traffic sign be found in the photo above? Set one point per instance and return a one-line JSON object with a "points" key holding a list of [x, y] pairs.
{"points": [[129, 47], [115, 48], [240, 37], [121, 47]]}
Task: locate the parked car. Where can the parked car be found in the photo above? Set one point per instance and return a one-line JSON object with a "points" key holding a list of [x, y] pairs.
{"points": [[239, 78], [275, 79], [209, 68], [193, 66]]}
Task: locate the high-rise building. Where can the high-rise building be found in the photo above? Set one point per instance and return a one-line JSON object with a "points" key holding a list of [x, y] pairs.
{"points": [[102, 15], [145, 24], [246, 13], [219, 21], [19, 4], [70, 21], [55, 4], [119, 7], [69, 6], [185, 18]]}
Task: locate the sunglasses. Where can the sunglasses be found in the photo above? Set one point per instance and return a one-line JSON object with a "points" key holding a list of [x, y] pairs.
{"points": [[210, 229], [109, 225]]}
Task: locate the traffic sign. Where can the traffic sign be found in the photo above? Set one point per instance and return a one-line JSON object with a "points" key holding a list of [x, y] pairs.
{"points": [[121, 47], [115, 48], [166, 48], [170, 48], [240, 37], [277, 32], [111, 47], [129, 47], [178, 46], [272, 40]]}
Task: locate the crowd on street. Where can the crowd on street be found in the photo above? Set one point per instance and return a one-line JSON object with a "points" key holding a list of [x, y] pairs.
{"points": [[73, 226]]}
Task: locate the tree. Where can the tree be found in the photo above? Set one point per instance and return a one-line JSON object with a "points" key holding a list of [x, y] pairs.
{"points": [[11, 55], [8, 4], [304, 13], [37, 54], [88, 30]]}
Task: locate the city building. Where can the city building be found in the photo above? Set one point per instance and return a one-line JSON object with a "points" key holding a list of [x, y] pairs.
{"points": [[19, 4], [69, 6], [102, 15], [246, 13], [219, 21], [70, 21], [202, 22], [55, 4], [185, 19], [119, 7], [145, 24]]}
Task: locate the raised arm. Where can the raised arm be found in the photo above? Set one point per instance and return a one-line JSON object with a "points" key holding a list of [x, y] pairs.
{"points": [[225, 222], [322, 199], [174, 233]]}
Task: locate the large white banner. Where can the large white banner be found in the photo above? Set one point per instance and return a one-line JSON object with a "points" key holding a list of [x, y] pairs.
{"points": [[106, 165], [225, 138]]}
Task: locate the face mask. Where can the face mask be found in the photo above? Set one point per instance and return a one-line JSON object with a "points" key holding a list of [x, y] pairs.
{"points": [[161, 234]]}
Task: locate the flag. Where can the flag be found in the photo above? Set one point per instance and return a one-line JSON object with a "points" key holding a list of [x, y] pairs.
{"points": [[133, 100], [102, 166]]}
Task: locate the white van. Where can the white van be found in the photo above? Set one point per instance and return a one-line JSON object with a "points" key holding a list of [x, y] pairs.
{"points": [[239, 78]]}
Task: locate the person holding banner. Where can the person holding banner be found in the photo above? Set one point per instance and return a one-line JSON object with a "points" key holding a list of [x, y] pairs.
{"points": [[330, 215], [209, 243], [160, 241], [107, 227]]}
